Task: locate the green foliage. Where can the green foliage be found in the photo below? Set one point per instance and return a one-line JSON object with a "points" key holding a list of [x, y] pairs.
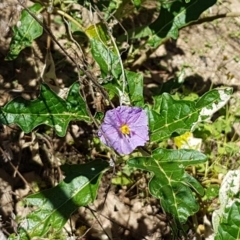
{"points": [[211, 192], [55, 205], [173, 16], [229, 226], [135, 87], [24, 34], [107, 60], [111, 67], [49, 109], [170, 183], [168, 116]]}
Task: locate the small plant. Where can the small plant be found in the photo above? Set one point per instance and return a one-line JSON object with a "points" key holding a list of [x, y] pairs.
{"points": [[108, 95]]}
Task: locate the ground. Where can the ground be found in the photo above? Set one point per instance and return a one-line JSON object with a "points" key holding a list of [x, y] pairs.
{"points": [[207, 54]]}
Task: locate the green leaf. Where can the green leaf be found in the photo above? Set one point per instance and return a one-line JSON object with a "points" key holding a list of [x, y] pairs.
{"points": [[109, 64], [54, 206], [112, 88], [211, 192], [47, 109], [179, 116], [172, 19], [121, 179], [170, 183], [212, 101], [175, 116], [107, 60], [98, 32], [24, 34], [135, 87], [137, 3], [229, 226], [223, 218], [173, 16]]}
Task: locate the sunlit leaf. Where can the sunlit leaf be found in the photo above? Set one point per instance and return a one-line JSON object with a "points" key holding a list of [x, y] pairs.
{"points": [[135, 87], [170, 183], [54, 206], [230, 222], [225, 219], [26, 30], [173, 16], [109, 64], [108, 61], [47, 109], [180, 116]]}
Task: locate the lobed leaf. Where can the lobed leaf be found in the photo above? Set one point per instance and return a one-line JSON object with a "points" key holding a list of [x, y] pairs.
{"points": [[25, 32], [212, 101], [54, 206], [173, 16], [170, 183], [175, 116], [179, 116], [47, 109]]}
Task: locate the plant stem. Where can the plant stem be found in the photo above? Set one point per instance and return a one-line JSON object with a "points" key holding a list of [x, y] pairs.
{"points": [[211, 18], [217, 181], [60, 12]]}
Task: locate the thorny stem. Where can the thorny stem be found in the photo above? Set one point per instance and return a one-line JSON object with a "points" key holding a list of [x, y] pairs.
{"points": [[16, 171], [99, 222], [124, 81], [48, 37], [47, 30]]}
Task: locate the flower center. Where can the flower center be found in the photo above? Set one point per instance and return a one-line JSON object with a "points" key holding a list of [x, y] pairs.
{"points": [[125, 129]]}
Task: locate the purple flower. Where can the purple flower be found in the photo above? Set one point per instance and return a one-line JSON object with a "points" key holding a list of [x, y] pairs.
{"points": [[124, 128]]}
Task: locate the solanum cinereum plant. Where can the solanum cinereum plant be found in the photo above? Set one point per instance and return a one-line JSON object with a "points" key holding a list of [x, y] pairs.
{"points": [[122, 129]]}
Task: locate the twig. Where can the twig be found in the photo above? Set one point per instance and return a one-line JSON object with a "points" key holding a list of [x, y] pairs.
{"points": [[115, 222], [19, 174], [60, 12], [93, 213], [87, 73], [212, 18]]}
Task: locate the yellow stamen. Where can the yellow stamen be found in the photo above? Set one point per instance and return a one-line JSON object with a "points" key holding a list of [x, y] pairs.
{"points": [[125, 129]]}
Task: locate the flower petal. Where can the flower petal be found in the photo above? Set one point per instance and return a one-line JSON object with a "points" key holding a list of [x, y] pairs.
{"points": [[139, 118], [110, 132]]}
